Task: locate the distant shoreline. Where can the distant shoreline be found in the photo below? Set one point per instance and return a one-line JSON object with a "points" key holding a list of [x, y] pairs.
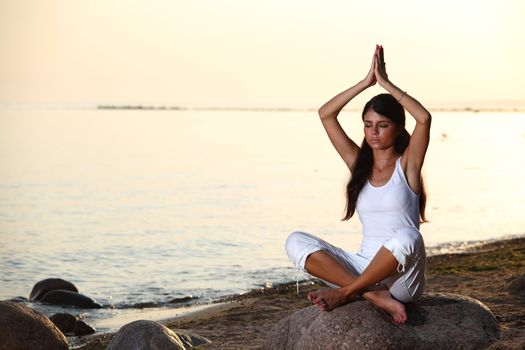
{"points": [[146, 107], [285, 109]]}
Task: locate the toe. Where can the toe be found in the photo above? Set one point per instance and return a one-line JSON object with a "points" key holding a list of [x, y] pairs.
{"points": [[324, 305], [313, 297], [399, 319]]}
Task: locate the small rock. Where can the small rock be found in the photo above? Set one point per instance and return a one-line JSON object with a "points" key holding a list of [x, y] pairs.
{"points": [[82, 328], [191, 340], [182, 300], [47, 285], [145, 335], [24, 328], [64, 322], [18, 299], [517, 285], [71, 325], [437, 321]]}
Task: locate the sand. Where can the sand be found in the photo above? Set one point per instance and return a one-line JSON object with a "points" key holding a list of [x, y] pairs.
{"points": [[242, 322]]}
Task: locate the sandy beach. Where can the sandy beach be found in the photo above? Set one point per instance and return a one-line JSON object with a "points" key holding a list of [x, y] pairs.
{"points": [[242, 322]]}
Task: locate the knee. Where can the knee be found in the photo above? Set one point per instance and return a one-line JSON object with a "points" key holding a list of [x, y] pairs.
{"points": [[406, 246], [411, 239], [293, 241], [299, 245]]}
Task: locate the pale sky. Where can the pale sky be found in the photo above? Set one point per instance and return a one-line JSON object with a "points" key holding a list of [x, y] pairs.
{"points": [[243, 53]]}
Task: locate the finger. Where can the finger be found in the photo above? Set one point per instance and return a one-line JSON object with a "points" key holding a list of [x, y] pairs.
{"points": [[381, 55]]}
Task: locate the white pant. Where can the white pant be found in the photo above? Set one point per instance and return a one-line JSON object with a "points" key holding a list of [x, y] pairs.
{"points": [[406, 245]]}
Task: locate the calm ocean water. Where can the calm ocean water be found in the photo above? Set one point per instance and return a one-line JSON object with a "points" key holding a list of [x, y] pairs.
{"points": [[148, 206]]}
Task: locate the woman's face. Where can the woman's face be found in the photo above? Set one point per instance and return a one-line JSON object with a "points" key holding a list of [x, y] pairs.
{"points": [[380, 132]]}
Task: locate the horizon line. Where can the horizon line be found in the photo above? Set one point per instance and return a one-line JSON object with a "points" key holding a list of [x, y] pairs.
{"points": [[155, 107]]}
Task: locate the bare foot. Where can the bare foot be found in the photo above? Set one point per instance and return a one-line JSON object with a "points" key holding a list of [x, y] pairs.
{"points": [[383, 300], [328, 299]]}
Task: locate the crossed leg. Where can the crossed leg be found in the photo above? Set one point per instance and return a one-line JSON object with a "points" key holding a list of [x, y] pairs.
{"points": [[324, 266]]}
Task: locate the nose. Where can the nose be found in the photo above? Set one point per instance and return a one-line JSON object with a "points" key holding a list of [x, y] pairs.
{"points": [[375, 130]]}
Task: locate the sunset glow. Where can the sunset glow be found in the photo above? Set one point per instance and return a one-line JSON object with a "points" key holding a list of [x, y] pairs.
{"points": [[257, 54]]}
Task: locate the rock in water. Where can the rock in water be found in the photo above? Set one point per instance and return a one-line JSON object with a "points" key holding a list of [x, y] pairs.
{"points": [[47, 285], [145, 335], [68, 298], [23, 328], [437, 321], [61, 292]]}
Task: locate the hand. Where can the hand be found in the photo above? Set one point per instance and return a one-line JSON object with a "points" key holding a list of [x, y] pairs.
{"points": [[380, 66], [370, 79]]}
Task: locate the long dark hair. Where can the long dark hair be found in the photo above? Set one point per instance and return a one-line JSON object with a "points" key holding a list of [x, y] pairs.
{"points": [[388, 106]]}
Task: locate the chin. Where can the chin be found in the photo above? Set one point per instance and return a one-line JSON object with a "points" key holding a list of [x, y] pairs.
{"points": [[379, 147]]}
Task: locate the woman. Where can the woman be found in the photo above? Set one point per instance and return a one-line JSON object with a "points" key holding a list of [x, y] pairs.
{"points": [[386, 190]]}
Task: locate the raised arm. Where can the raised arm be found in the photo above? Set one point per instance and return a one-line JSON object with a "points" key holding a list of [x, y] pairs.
{"points": [[346, 148], [414, 155]]}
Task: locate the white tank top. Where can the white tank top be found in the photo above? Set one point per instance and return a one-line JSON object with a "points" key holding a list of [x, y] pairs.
{"points": [[382, 210]]}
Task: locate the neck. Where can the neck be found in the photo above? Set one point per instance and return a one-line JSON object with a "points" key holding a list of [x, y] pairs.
{"points": [[384, 158], [385, 155]]}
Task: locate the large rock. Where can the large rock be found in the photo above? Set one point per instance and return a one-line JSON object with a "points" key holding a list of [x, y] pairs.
{"points": [[43, 287], [23, 328], [436, 321], [145, 335]]}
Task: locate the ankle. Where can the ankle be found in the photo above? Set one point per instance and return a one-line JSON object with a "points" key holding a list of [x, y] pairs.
{"points": [[348, 292]]}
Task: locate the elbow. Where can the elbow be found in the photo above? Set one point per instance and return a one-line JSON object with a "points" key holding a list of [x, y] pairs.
{"points": [[323, 114], [426, 119]]}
